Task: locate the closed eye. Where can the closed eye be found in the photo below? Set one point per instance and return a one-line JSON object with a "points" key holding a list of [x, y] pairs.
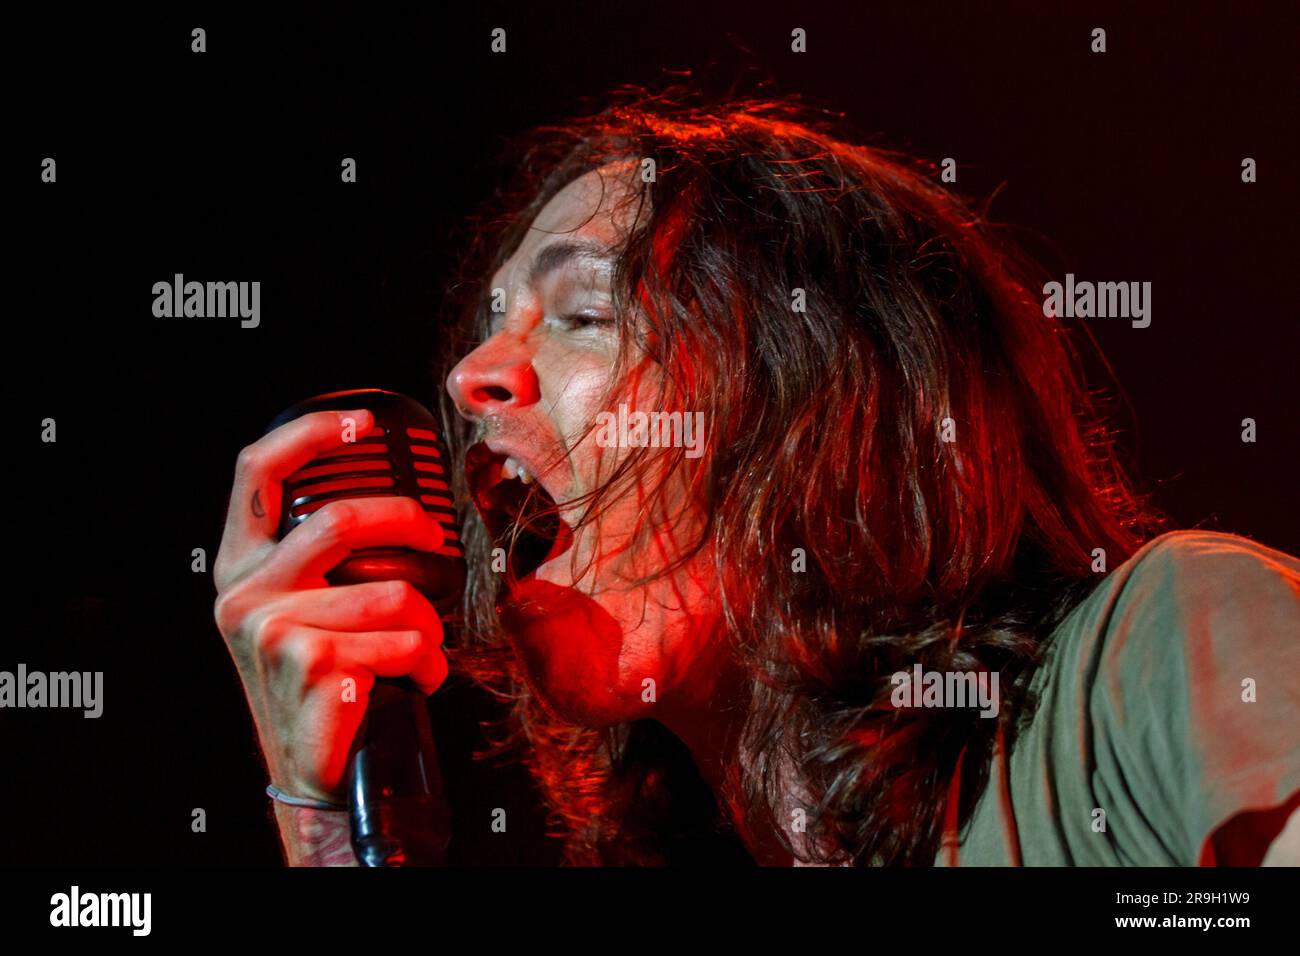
{"points": [[576, 321]]}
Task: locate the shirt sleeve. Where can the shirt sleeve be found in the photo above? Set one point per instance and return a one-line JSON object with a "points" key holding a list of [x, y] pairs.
{"points": [[1197, 695]]}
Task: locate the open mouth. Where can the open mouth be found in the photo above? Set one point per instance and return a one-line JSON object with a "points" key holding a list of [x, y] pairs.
{"points": [[521, 518]]}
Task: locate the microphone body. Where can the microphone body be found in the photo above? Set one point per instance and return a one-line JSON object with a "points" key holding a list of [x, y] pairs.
{"points": [[395, 801]]}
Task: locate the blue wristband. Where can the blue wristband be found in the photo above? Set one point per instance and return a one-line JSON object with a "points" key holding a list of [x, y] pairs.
{"points": [[277, 794]]}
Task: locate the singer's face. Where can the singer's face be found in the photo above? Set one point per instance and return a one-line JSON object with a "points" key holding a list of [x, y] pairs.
{"points": [[597, 646]]}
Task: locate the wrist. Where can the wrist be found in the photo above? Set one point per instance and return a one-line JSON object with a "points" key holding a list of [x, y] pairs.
{"points": [[309, 803], [313, 837]]}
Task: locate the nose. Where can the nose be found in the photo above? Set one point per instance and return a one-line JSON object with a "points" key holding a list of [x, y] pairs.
{"points": [[495, 378]]}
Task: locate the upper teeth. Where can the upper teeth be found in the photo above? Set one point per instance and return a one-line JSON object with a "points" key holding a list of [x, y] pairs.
{"points": [[512, 469]]}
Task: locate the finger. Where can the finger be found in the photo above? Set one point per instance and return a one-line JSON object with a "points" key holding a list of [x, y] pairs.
{"points": [[253, 516], [391, 654], [315, 547], [374, 606], [311, 661], [318, 664]]}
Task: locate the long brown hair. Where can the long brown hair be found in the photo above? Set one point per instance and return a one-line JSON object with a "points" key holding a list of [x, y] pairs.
{"points": [[918, 434]]}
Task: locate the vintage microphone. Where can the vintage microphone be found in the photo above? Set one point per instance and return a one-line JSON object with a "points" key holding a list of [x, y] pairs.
{"points": [[398, 814]]}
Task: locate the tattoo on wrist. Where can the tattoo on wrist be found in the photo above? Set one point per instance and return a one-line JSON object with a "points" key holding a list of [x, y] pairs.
{"points": [[321, 837]]}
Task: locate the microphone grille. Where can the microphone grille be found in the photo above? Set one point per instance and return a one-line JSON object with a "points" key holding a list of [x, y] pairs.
{"points": [[403, 455]]}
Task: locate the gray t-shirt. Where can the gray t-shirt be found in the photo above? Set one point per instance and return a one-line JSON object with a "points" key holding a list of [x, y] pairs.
{"points": [[1169, 702]]}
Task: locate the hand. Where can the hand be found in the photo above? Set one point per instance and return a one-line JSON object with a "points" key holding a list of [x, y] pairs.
{"points": [[295, 640]]}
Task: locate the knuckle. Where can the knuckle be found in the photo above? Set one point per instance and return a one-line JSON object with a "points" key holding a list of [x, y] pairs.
{"points": [[220, 574], [222, 611], [336, 520], [270, 636], [227, 575], [311, 655], [228, 610], [249, 460], [400, 595], [388, 599]]}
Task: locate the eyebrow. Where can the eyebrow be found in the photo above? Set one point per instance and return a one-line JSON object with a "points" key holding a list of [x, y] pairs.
{"points": [[559, 254]]}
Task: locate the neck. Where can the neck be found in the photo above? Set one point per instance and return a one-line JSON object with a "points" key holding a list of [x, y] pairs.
{"points": [[710, 726]]}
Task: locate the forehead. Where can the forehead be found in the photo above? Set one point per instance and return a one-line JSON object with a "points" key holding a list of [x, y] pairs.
{"points": [[593, 207]]}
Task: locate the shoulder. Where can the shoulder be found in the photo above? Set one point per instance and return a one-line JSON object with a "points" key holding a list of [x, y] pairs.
{"points": [[1194, 646], [1198, 561], [1196, 588], [1192, 697], [1190, 598], [1181, 629]]}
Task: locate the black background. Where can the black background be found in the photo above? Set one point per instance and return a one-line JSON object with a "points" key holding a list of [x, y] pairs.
{"points": [[225, 166]]}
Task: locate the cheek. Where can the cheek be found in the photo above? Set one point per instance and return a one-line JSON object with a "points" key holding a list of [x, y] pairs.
{"points": [[573, 385]]}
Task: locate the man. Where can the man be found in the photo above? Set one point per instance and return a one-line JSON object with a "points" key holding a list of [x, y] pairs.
{"points": [[793, 520]]}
